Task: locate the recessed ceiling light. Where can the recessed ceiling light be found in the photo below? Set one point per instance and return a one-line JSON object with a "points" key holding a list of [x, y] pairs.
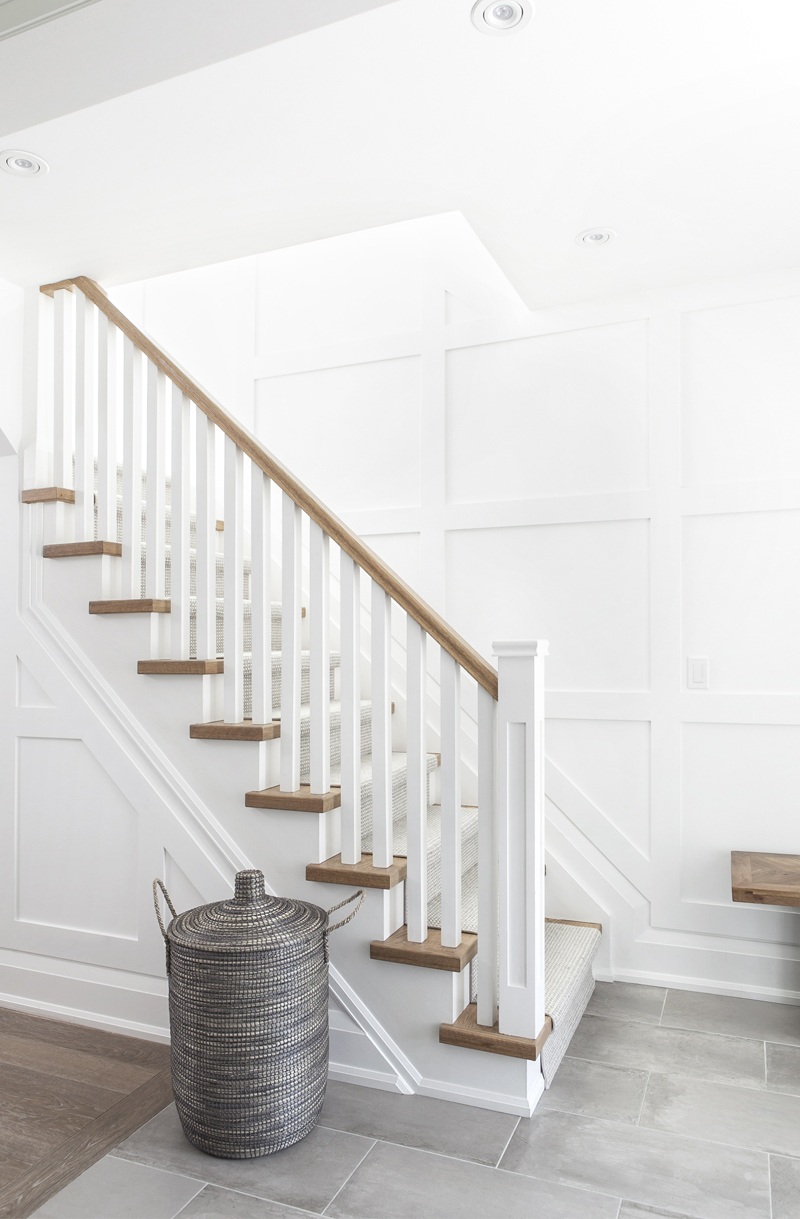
{"points": [[595, 237], [22, 164], [491, 17]]}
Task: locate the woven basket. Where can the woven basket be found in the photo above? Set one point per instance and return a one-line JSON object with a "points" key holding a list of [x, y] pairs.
{"points": [[248, 1009]]}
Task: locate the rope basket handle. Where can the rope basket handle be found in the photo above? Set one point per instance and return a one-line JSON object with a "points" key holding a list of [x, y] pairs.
{"points": [[362, 893], [159, 884]]}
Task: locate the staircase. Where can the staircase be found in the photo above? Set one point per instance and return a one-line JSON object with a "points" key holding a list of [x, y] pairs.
{"points": [[382, 744]]}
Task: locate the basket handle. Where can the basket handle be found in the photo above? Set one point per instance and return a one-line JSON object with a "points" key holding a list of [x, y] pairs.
{"points": [[362, 893], [159, 884]]}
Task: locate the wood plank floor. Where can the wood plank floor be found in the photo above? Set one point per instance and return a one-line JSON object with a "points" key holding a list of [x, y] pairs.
{"points": [[67, 1095]]}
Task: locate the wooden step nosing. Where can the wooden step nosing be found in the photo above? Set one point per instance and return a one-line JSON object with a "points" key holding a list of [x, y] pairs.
{"points": [[179, 668], [136, 605], [67, 550], [218, 730], [430, 954], [302, 801], [469, 1035], [334, 872], [48, 495]]}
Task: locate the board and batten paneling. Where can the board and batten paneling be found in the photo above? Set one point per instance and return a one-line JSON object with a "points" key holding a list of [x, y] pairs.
{"points": [[621, 476]]}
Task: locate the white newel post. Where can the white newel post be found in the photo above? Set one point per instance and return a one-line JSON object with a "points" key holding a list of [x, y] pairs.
{"points": [[520, 814]]}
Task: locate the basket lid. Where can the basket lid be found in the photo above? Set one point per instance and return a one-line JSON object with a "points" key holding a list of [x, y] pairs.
{"points": [[250, 921]]}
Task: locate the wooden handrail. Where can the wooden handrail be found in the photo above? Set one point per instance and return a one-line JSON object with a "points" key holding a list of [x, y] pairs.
{"points": [[349, 542]]}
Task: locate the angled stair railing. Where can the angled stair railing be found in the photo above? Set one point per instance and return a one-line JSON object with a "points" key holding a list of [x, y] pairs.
{"points": [[116, 392]]}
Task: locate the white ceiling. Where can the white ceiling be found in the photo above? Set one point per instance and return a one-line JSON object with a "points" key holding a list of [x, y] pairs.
{"points": [[676, 125]]}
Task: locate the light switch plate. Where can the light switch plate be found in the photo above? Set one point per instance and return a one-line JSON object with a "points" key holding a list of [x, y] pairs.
{"points": [[697, 673]]}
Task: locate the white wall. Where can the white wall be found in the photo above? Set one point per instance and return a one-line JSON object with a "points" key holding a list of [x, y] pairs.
{"points": [[622, 478]]}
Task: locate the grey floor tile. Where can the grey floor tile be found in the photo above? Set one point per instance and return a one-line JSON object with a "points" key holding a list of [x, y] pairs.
{"points": [[215, 1203], [402, 1183], [785, 1175], [116, 1189], [632, 1210], [704, 1180], [418, 1121], [744, 1117], [783, 1068], [688, 1009], [646, 1047], [595, 1090], [305, 1176], [627, 1001]]}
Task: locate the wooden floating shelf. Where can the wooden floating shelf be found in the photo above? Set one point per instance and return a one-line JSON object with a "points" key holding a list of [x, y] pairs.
{"points": [[181, 667], [218, 730], [48, 495], [302, 801], [467, 1033], [334, 872], [143, 605], [68, 550], [429, 955], [765, 879]]}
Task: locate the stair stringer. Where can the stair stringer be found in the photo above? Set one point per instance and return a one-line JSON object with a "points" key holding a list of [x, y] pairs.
{"points": [[89, 664]]}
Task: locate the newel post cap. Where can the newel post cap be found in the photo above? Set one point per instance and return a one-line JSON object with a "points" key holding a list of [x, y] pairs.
{"points": [[522, 647]]}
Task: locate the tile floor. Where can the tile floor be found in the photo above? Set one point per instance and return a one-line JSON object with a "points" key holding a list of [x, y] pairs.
{"points": [[670, 1103]]}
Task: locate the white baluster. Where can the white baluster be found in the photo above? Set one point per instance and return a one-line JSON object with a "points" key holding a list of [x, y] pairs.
{"points": [[85, 369], [63, 386], [487, 860], [206, 529], [350, 643], [451, 800], [416, 737], [382, 837], [233, 686], [291, 557], [179, 528], [132, 472], [156, 527], [106, 429], [320, 660], [261, 594], [520, 815]]}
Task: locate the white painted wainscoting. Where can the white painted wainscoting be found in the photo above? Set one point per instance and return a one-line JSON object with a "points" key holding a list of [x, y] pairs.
{"points": [[619, 476]]}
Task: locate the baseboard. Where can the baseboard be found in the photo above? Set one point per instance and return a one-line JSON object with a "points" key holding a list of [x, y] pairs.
{"points": [[112, 1024], [709, 986], [364, 1077]]}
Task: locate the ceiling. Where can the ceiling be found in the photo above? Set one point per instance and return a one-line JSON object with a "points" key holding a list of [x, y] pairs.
{"points": [[675, 125]]}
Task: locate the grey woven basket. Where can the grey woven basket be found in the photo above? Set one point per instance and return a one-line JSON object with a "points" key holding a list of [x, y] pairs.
{"points": [[248, 1010]]}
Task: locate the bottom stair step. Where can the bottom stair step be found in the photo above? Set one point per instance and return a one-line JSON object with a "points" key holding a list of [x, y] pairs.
{"points": [[467, 1033]]}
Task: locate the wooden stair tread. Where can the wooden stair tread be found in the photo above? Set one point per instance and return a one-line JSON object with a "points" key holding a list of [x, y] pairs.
{"points": [[467, 1033], [140, 605], [432, 954], [218, 730], [48, 495], [67, 550], [334, 872], [302, 801], [764, 878], [182, 667]]}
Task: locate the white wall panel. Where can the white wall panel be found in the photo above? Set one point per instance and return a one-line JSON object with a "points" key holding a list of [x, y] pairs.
{"points": [[741, 598], [77, 841], [741, 386], [352, 434], [740, 792], [558, 414], [609, 761], [583, 587], [400, 551], [29, 691]]}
